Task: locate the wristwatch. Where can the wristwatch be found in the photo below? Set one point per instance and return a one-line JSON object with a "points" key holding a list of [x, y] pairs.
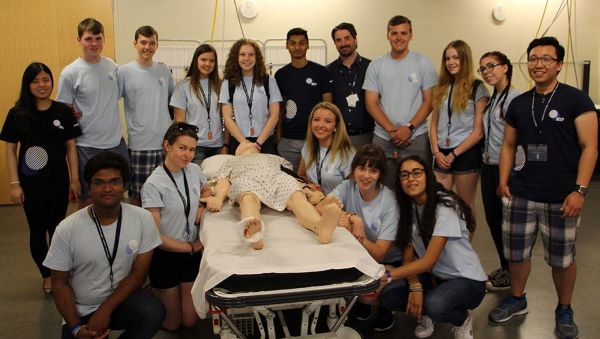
{"points": [[581, 189], [410, 126]]}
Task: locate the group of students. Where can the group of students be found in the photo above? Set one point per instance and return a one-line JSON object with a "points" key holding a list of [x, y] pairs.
{"points": [[415, 225]]}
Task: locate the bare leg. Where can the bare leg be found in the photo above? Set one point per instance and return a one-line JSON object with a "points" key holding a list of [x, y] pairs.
{"points": [[171, 299], [519, 272], [466, 188], [445, 179], [564, 281], [307, 215], [189, 317], [250, 208]]}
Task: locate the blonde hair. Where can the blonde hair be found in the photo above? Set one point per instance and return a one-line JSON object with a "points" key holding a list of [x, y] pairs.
{"points": [[340, 142], [463, 81]]}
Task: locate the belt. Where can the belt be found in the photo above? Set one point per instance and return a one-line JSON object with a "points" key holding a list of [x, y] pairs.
{"points": [[358, 131]]}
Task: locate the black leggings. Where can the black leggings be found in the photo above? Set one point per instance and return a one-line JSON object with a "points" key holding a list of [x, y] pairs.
{"points": [[490, 178], [43, 216]]}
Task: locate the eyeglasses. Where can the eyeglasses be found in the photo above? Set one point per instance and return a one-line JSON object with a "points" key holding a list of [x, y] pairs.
{"points": [[489, 67], [102, 183], [416, 173], [546, 60], [183, 126]]}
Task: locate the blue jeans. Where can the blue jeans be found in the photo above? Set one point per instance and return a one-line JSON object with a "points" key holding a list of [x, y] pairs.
{"points": [[141, 315], [446, 302]]}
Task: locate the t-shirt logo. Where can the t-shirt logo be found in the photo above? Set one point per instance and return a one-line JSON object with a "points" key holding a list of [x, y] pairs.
{"points": [[311, 82], [412, 77], [161, 81], [553, 114], [132, 246]]}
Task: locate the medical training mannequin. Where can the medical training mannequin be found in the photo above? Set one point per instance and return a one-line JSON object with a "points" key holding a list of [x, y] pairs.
{"points": [[252, 178]]}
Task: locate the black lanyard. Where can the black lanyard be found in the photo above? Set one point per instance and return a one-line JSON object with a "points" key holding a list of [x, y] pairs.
{"points": [[186, 203], [207, 102], [449, 113], [109, 257], [490, 112], [538, 128], [249, 98], [320, 164]]}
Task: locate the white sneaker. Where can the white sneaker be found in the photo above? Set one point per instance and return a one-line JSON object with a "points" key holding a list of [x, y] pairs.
{"points": [[424, 328], [465, 331]]}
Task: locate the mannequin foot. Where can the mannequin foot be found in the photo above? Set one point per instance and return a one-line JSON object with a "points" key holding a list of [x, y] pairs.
{"points": [[328, 223], [252, 227]]}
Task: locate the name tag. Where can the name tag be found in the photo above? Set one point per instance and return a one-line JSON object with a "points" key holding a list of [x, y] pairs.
{"points": [[352, 99], [537, 152]]}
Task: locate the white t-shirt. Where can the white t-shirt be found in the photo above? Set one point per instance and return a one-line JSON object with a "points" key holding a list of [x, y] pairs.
{"points": [[93, 90], [379, 215], [333, 171], [159, 191], [146, 92], [196, 114], [76, 248], [400, 84], [458, 259]]}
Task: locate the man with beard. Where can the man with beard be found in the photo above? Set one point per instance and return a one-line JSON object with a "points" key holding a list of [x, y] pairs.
{"points": [[303, 84], [348, 74]]}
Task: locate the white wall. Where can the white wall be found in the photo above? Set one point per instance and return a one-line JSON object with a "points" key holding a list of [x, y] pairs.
{"points": [[435, 23]]}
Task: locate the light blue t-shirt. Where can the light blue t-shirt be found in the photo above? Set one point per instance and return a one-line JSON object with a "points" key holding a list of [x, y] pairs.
{"points": [[159, 191], [146, 91], [93, 90], [260, 108], [461, 122], [333, 171], [196, 113], [380, 215], [76, 248], [400, 84], [458, 259], [494, 135]]}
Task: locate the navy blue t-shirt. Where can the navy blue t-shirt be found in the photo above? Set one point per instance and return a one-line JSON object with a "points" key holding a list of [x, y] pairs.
{"points": [[301, 89], [552, 180]]}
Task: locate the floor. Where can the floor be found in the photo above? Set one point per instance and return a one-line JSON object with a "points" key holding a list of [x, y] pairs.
{"points": [[25, 312]]}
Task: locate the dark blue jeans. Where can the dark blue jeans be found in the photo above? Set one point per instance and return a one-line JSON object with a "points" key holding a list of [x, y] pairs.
{"points": [[447, 302], [141, 315]]}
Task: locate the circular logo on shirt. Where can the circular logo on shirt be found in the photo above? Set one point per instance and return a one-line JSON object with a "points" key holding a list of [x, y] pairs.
{"points": [[553, 114], [57, 123], [132, 246], [412, 77], [161, 81], [291, 109], [34, 160], [311, 82], [111, 77]]}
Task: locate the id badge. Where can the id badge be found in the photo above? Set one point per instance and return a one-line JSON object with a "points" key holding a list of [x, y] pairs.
{"points": [[537, 152], [352, 99]]}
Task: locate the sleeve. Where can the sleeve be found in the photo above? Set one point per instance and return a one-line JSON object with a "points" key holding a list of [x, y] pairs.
{"points": [[447, 223], [59, 255], [179, 98], [170, 80], [72, 129], [429, 74], [224, 94], [511, 117], [326, 81], [389, 220], [202, 177], [225, 169], [346, 164], [274, 89], [340, 192], [151, 196], [10, 132], [371, 83], [304, 153], [481, 92], [121, 81], [285, 163], [150, 233], [582, 103], [66, 92], [279, 78]]}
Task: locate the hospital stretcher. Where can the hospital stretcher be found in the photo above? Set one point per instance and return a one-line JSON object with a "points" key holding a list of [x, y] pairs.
{"points": [[292, 271]]}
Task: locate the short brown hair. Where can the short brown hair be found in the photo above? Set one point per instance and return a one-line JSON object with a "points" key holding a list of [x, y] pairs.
{"points": [[90, 24]]}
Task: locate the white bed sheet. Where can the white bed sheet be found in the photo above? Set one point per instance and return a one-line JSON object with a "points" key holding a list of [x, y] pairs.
{"points": [[289, 248]]}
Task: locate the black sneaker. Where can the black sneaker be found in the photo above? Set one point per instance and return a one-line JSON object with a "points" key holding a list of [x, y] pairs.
{"points": [[500, 281], [384, 321], [362, 311]]}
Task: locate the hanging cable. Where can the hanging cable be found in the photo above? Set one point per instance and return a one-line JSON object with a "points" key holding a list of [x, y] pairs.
{"points": [[237, 12], [214, 22]]}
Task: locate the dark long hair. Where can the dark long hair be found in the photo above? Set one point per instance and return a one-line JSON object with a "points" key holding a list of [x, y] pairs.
{"points": [[502, 59], [26, 104], [436, 194], [193, 73]]}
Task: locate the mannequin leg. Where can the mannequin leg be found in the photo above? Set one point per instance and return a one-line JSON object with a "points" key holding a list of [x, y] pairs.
{"points": [[307, 215], [250, 207]]}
